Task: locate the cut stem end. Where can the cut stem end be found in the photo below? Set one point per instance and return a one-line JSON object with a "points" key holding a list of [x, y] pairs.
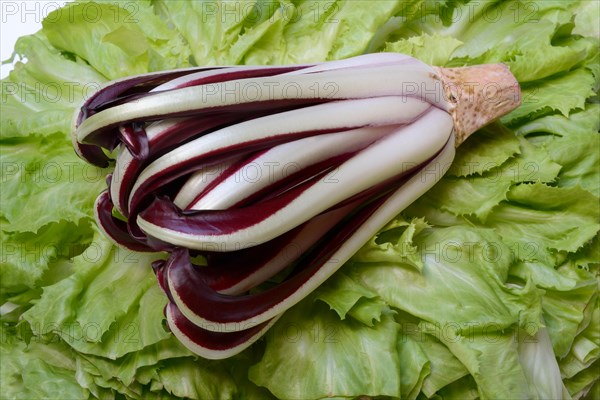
{"points": [[478, 95]]}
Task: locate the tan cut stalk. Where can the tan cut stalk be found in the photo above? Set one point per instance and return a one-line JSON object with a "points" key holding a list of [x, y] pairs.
{"points": [[478, 95]]}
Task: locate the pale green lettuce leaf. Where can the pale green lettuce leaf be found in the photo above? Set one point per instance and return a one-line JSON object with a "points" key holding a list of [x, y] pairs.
{"points": [[585, 121], [262, 44], [110, 313], [429, 207], [40, 96], [276, 32], [394, 243], [116, 39], [583, 354], [175, 374], [586, 384], [334, 30], [570, 144], [478, 280], [496, 31], [44, 182], [456, 260], [545, 276], [132, 332], [37, 370], [569, 305], [126, 368], [239, 367], [109, 306], [564, 312], [47, 68], [492, 358], [415, 367], [587, 257], [227, 31], [444, 367], [337, 358], [196, 379], [491, 21], [562, 93], [472, 196], [544, 62], [540, 365], [26, 257], [586, 19], [534, 57], [544, 219], [431, 49], [88, 376], [221, 26], [347, 297], [427, 365], [479, 194], [17, 300], [342, 293], [580, 166], [462, 389], [488, 148], [568, 302], [369, 311], [586, 348]]}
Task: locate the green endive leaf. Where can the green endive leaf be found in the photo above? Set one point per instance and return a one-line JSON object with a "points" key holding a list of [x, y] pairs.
{"points": [[116, 38], [449, 300], [345, 357], [39, 97], [537, 219], [109, 306], [45, 178]]}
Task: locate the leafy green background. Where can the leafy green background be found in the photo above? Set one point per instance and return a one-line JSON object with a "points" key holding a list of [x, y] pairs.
{"points": [[486, 287]]}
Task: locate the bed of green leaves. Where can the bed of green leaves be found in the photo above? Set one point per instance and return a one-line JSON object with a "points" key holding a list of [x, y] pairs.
{"points": [[486, 287]]}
